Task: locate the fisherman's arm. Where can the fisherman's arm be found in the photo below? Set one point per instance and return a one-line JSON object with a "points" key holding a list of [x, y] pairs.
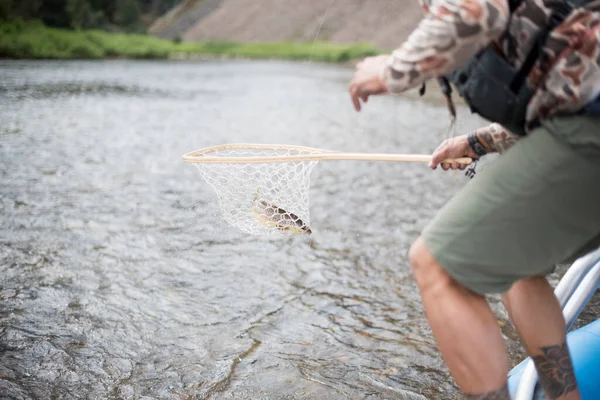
{"points": [[451, 32], [493, 138]]}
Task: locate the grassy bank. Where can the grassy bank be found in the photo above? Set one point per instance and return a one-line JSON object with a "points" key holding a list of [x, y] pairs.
{"points": [[33, 40]]}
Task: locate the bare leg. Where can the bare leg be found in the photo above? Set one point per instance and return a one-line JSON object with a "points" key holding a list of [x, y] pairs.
{"points": [[536, 314], [464, 328]]}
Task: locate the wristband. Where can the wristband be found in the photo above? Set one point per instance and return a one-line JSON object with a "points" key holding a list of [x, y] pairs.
{"points": [[475, 145]]}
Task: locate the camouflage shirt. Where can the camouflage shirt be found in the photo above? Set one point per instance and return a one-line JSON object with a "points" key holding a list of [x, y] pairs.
{"points": [[454, 30]]}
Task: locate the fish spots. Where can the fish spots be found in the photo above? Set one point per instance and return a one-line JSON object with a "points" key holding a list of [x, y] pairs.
{"points": [[276, 217]]}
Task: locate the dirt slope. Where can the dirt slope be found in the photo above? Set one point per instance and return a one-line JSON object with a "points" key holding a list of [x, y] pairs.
{"points": [[384, 23]]}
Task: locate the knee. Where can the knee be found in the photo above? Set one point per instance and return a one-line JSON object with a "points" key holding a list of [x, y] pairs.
{"points": [[426, 270], [524, 289], [417, 255]]}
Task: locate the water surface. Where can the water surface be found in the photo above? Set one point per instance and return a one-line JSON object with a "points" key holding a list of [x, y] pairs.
{"points": [[120, 280]]}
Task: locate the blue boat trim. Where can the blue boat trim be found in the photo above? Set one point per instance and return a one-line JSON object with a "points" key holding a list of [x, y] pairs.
{"points": [[584, 345]]}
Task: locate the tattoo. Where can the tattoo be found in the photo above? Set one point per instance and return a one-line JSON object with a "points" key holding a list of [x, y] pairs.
{"points": [[505, 144], [494, 138], [554, 366], [500, 394], [487, 141]]}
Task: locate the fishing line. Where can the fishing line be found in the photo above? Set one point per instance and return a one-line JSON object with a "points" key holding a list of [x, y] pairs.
{"points": [[319, 30]]}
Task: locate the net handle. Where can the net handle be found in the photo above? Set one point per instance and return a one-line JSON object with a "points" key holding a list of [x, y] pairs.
{"points": [[198, 156]]}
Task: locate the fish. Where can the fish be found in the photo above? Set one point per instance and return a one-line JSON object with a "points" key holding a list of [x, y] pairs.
{"points": [[274, 216]]}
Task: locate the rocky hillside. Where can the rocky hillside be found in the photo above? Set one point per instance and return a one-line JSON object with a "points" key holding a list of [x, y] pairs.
{"points": [[384, 23]]}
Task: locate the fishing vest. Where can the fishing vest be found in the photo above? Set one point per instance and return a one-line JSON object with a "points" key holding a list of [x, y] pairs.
{"points": [[496, 90]]}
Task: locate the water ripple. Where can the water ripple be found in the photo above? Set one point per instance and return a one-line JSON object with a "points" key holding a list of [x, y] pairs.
{"points": [[120, 280]]}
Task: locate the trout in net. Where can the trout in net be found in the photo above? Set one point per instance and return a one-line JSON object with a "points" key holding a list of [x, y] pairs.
{"points": [[274, 216]]}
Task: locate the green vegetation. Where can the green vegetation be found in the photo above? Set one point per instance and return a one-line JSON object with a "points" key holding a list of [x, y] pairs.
{"points": [[284, 50], [34, 40], [113, 15], [79, 29]]}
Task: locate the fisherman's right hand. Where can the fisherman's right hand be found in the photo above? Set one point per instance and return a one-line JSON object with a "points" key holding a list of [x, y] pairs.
{"points": [[452, 148], [368, 79]]}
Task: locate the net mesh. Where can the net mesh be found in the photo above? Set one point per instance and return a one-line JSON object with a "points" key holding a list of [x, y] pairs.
{"points": [[261, 198]]}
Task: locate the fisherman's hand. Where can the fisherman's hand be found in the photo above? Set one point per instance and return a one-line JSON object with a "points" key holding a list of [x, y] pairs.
{"points": [[452, 148], [368, 79]]}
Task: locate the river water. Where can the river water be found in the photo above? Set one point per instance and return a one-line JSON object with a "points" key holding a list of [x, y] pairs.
{"points": [[120, 280]]}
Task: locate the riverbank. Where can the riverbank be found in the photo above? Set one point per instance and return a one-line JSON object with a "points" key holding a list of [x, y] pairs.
{"points": [[33, 40]]}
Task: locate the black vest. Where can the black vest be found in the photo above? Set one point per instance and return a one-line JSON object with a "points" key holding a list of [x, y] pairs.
{"points": [[498, 91]]}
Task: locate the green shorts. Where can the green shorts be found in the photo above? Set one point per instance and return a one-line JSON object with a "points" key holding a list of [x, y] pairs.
{"points": [[536, 206]]}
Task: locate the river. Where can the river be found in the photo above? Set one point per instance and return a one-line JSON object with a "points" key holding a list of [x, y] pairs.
{"points": [[119, 279]]}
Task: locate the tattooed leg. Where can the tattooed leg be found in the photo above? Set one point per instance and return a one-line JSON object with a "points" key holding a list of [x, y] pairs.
{"points": [[537, 316], [500, 394], [556, 371]]}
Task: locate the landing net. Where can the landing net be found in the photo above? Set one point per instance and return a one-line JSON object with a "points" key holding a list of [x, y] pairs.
{"points": [[259, 198]]}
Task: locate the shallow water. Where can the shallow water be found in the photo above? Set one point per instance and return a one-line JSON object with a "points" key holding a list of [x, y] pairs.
{"points": [[120, 280]]}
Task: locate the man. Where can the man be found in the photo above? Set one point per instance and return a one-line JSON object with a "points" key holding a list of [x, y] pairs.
{"points": [[536, 206]]}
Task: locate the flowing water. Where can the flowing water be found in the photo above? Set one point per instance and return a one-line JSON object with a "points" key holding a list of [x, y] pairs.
{"points": [[120, 280]]}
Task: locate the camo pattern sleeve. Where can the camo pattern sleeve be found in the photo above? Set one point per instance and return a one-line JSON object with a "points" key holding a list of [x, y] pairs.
{"points": [[570, 78], [451, 32]]}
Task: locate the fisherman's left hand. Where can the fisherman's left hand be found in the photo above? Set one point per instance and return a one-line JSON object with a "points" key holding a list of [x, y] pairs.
{"points": [[368, 79]]}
